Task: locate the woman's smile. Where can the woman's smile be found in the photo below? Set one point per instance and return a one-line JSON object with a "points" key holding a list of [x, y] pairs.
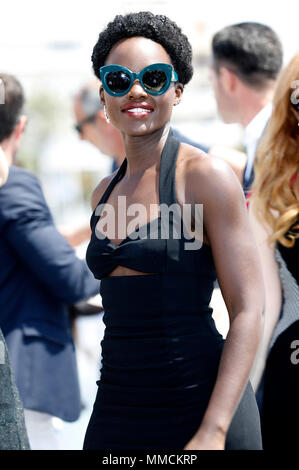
{"points": [[137, 110]]}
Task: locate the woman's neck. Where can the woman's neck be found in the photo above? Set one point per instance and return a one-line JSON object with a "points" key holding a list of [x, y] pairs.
{"points": [[144, 152]]}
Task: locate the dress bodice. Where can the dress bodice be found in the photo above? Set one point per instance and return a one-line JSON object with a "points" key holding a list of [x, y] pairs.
{"points": [[161, 245]]}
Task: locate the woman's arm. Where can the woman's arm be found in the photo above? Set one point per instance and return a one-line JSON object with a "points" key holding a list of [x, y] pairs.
{"points": [[239, 274], [273, 294]]}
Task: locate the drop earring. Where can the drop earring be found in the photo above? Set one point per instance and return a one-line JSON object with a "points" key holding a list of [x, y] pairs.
{"points": [[106, 115]]}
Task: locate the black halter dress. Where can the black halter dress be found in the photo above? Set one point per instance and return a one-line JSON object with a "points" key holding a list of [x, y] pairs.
{"points": [[161, 348]]}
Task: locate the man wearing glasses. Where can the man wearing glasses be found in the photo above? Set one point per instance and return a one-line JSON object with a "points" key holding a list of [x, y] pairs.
{"points": [[92, 125]]}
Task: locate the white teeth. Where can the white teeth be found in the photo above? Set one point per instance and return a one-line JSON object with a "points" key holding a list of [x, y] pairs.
{"points": [[138, 110]]}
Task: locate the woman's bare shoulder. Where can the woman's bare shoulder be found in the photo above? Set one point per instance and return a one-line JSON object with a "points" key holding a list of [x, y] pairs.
{"points": [[210, 176], [100, 189]]}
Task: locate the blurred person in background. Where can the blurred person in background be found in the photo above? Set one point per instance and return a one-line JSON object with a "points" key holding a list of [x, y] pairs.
{"points": [[13, 434], [246, 60], [93, 126], [40, 275], [274, 214]]}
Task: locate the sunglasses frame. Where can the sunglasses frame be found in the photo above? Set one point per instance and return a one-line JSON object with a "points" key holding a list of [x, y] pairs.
{"points": [[171, 76]]}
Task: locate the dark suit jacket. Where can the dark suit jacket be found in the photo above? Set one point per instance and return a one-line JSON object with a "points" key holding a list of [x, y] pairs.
{"points": [[40, 276], [248, 181]]}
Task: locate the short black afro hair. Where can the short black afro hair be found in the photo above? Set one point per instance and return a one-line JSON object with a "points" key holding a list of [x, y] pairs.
{"points": [[158, 28]]}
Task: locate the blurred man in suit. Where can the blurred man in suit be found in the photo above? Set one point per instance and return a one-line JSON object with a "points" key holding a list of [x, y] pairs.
{"points": [[246, 60], [40, 276], [92, 125], [13, 434]]}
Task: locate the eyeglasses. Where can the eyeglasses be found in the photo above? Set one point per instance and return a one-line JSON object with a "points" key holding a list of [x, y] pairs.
{"points": [[79, 125], [155, 79]]}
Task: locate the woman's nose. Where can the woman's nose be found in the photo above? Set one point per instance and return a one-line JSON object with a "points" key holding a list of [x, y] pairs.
{"points": [[137, 89]]}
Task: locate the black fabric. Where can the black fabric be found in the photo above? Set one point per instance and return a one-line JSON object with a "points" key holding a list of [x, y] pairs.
{"points": [[280, 409], [280, 404], [291, 257], [161, 348]]}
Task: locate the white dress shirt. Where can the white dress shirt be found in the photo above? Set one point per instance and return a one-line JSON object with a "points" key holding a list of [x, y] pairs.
{"points": [[252, 134]]}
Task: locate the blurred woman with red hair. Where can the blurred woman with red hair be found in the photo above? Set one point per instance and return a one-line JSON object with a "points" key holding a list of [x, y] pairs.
{"points": [[274, 213]]}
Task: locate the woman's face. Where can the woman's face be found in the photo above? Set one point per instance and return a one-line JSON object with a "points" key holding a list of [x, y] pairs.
{"points": [[151, 112]]}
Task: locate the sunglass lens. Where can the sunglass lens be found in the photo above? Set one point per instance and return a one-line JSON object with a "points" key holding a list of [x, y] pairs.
{"points": [[154, 80], [118, 82]]}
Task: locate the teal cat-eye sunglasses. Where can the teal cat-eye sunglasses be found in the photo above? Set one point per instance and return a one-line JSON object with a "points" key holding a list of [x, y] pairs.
{"points": [[155, 78]]}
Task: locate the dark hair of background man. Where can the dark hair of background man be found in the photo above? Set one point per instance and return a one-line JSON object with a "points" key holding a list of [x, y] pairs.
{"points": [[252, 51], [13, 105]]}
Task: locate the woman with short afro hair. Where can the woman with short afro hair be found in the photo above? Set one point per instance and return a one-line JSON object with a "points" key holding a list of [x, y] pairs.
{"points": [[168, 380]]}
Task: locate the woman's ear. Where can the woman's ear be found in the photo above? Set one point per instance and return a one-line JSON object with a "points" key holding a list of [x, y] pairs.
{"points": [[179, 88], [102, 95], [229, 79]]}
